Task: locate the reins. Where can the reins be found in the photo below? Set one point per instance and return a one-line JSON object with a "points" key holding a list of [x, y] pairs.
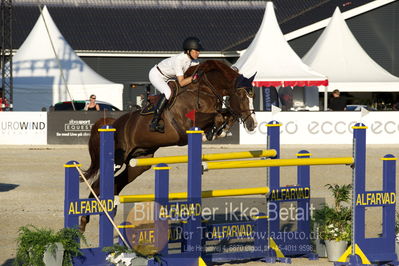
{"points": [[252, 111], [222, 101]]}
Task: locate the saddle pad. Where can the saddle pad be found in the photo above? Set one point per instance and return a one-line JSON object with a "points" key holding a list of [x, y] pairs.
{"points": [[174, 88], [148, 109], [153, 99]]}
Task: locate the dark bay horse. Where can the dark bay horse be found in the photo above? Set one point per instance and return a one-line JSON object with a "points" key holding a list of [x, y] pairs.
{"points": [[133, 139]]}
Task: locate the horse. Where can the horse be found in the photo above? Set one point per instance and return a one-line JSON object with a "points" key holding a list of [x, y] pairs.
{"points": [[206, 96]]}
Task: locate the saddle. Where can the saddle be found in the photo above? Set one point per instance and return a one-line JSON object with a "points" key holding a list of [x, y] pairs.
{"points": [[149, 108]]}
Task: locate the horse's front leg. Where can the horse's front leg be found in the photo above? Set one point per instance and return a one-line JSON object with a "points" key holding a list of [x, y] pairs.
{"points": [[221, 126], [127, 174], [224, 130]]}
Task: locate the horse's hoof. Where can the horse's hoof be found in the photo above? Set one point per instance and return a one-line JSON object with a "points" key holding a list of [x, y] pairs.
{"points": [[120, 170], [82, 228], [209, 135]]}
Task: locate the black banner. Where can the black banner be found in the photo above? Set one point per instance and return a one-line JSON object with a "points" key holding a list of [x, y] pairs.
{"points": [[73, 127]]}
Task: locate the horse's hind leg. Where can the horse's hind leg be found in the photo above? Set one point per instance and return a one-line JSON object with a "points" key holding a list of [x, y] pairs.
{"points": [[123, 176], [84, 220], [120, 182], [130, 174], [121, 172], [120, 165]]}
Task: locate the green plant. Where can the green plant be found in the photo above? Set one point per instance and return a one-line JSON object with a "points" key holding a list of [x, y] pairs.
{"points": [[117, 249], [33, 242], [334, 223]]}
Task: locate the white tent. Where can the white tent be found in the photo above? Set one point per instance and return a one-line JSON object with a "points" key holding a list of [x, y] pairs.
{"points": [[273, 59], [348, 67], [46, 71]]}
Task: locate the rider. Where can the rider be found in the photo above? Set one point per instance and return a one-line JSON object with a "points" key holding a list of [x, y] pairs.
{"points": [[173, 67]]}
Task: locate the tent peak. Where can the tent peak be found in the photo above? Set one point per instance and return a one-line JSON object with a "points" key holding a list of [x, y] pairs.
{"points": [[275, 62], [47, 70], [338, 54]]}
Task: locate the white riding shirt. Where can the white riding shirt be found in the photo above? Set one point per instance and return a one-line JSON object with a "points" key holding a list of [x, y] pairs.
{"points": [[170, 68], [176, 65]]}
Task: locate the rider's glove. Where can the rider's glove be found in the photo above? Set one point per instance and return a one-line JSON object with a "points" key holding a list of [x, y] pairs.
{"points": [[197, 76]]}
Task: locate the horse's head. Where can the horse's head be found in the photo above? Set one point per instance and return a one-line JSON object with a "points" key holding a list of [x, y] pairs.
{"points": [[222, 80], [241, 101]]}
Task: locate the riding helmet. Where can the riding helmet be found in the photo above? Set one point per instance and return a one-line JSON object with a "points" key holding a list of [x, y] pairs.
{"points": [[192, 43]]}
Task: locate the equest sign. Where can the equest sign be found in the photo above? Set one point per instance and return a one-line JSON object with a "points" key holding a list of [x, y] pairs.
{"points": [[78, 125], [68, 127]]}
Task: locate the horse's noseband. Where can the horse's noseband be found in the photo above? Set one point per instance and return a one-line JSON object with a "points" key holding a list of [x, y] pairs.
{"points": [[249, 91]]}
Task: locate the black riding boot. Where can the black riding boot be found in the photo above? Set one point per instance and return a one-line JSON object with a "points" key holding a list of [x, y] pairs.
{"points": [[154, 126]]}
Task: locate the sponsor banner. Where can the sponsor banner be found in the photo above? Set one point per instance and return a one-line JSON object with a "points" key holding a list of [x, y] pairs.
{"points": [[69, 127], [23, 128], [325, 127]]}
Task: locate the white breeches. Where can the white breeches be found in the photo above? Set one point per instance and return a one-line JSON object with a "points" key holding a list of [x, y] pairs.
{"points": [[159, 82]]}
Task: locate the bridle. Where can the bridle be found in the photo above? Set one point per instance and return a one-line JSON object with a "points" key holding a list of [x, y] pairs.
{"points": [[249, 94], [236, 117]]}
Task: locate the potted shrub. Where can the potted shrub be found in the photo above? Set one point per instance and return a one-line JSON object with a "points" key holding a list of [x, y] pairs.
{"points": [[37, 244], [334, 223]]}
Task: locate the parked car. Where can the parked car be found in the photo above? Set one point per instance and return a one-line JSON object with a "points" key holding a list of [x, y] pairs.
{"points": [[80, 105]]}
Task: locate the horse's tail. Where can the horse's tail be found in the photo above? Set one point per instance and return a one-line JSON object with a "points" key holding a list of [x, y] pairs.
{"points": [[94, 146]]}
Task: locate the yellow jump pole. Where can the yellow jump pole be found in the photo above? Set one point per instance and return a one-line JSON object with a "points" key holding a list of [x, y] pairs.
{"points": [[205, 157], [277, 162], [205, 194]]}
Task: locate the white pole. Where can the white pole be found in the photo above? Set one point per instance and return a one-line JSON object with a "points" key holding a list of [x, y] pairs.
{"points": [[102, 206], [325, 98], [57, 59]]}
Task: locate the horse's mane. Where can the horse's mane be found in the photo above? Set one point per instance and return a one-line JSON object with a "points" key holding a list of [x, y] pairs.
{"points": [[212, 65]]}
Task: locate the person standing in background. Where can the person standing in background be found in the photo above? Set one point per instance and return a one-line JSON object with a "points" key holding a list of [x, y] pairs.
{"points": [[337, 103], [395, 105], [92, 105]]}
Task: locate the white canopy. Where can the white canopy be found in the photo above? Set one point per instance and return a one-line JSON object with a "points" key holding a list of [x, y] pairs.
{"points": [[348, 67], [273, 59], [46, 71]]}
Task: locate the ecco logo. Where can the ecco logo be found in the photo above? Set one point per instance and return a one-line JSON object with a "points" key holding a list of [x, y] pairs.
{"points": [[328, 127]]}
